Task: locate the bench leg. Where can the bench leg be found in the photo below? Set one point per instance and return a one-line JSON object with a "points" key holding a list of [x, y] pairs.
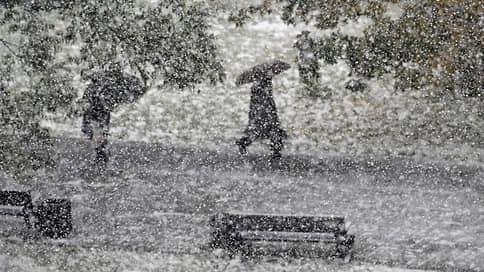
{"points": [[54, 218], [344, 248]]}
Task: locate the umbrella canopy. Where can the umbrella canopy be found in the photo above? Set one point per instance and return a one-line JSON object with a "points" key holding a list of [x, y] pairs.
{"points": [[111, 89], [261, 71]]}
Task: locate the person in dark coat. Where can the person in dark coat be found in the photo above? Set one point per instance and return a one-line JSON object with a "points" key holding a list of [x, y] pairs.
{"points": [[106, 91], [308, 62], [263, 120]]}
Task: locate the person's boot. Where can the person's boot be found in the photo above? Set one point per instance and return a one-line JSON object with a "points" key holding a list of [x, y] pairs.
{"points": [[275, 158], [242, 147], [276, 155], [101, 158], [101, 155], [276, 147]]}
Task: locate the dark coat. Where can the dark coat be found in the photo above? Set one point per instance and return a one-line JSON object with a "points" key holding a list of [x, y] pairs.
{"points": [[263, 120]]}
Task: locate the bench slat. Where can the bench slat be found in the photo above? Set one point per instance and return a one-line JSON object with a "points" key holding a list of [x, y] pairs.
{"points": [[240, 233], [11, 211], [258, 222], [296, 237], [14, 198]]}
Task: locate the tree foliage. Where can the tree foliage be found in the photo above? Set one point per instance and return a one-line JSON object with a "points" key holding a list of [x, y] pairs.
{"points": [[44, 47], [32, 82], [168, 41], [433, 43]]}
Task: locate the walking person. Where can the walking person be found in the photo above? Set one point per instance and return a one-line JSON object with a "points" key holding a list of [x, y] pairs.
{"points": [[95, 125], [106, 91], [263, 119]]}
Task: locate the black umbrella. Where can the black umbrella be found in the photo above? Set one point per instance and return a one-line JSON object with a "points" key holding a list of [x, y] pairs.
{"points": [[262, 71], [111, 89]]}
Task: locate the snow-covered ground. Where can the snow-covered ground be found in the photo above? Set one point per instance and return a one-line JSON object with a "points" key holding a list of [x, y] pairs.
{"points": [[150, 210]]}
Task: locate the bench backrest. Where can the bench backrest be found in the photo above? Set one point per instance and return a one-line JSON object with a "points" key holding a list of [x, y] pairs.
{"points": [[280, 223], [14, 198]]}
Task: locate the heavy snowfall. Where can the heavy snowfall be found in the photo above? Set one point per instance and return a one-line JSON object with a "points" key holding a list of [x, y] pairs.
{"points": [[405, 169]]}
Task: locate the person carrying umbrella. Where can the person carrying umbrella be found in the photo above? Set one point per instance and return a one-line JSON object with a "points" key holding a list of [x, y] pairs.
{"points": [[106, 91], [263, 120]]}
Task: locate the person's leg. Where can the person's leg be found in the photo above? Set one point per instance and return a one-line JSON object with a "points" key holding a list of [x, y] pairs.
{"points": [[101, 144], [243, 143], [101, 154], [105, 120], [86, 126], [276, 146]]}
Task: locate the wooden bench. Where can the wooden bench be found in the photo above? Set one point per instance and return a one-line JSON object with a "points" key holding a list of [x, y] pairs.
{"points": [[239, 233], [51, 217]]}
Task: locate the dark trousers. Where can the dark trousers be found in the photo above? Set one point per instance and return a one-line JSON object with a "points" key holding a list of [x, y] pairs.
{"points": [[275, 139], [99, 118]]}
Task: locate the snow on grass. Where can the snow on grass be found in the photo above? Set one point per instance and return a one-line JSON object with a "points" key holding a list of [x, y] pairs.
{"points": [[151, 210], [93, 259]]}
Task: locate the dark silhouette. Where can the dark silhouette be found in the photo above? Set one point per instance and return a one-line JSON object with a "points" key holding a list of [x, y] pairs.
{"points": [[355, 85], [263, 120], [308, 65], [106, 91]]}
